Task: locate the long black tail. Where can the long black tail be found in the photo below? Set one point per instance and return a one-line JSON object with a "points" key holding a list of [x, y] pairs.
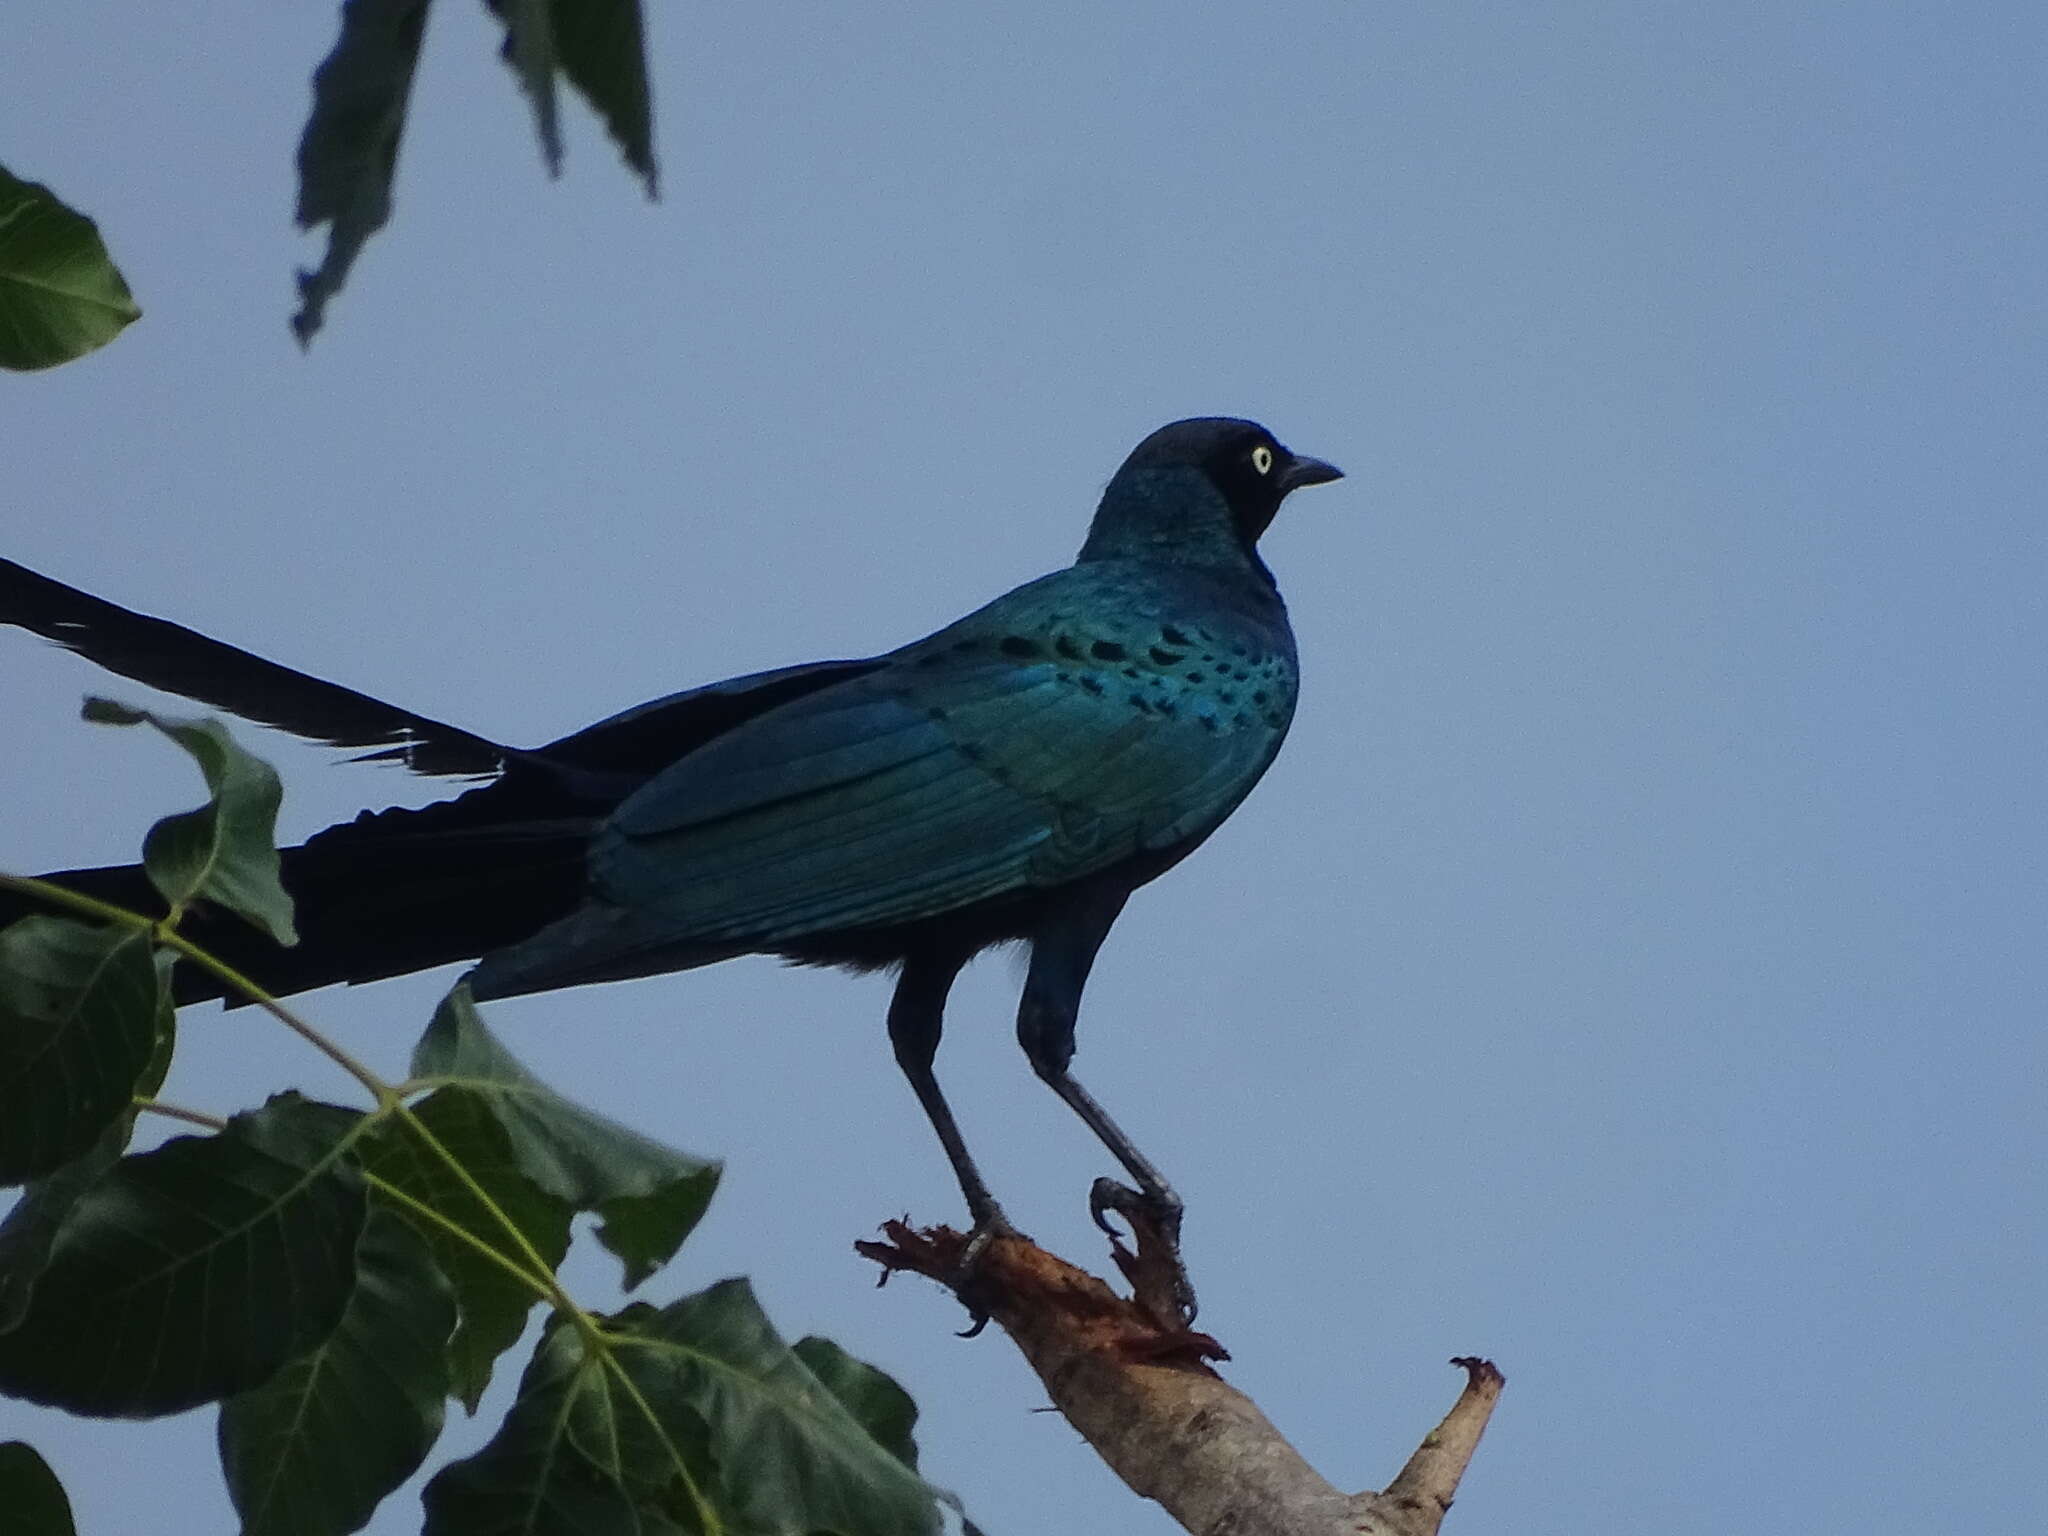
{"points": [[396, 891], [195, 666], [392, 891], [389, 893]]}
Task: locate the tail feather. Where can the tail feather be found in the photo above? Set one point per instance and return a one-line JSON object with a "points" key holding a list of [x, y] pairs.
{"points": [[384, 895], [398, 891], [183, 661]]}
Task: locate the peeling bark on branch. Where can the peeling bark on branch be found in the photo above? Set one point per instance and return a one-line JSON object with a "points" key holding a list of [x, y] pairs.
{"points": [[1144, 1395]]}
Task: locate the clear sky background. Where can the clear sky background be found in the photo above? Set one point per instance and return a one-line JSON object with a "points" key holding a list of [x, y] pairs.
{"points": [[1633, 970]]}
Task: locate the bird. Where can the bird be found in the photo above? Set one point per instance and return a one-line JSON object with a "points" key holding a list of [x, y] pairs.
{"points": [[1013, 776]]}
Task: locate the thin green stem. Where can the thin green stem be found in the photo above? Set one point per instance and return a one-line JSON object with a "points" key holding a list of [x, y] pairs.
{"points": [[63, 896], [540, 1280], [377, 1087], [179, 1112], [556, 1296], [707, 1516], [160, 929], [542, 1286]]}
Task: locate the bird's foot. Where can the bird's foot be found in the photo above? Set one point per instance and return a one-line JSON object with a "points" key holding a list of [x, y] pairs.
{"points": [[989, 1224], [957, 1260], [1159, 1278]]}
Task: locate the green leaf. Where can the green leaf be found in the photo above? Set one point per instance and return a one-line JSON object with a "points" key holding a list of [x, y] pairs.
{"points": [[32, 1226], [701, 1418], [493, 1304], [555, 1467], [872, 1396], [786, 1454], [648, 1197], [30, 1493], [883, 1408], [600, 47], [81, 1009], [195, 1271], [61, 295], [349, 151], [226, 851], [314, 1450]]}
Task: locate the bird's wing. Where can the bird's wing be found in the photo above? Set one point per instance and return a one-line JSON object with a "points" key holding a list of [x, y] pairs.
{"points": [[913, 792], [183, 661], [641, 741]]}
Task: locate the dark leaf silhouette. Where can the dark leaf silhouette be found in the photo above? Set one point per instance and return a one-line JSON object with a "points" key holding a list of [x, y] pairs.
{"points": [[195, 1271], [648, 1197], [349, 151], [315, 1449], [35, 1501], [493, 1305], [692, 1415], [32, 1226], [600, 47], [226, 851], [81, 1009]]}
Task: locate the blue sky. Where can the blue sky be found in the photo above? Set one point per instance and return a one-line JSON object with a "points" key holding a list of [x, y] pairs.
{"points": [[1633, 968]]}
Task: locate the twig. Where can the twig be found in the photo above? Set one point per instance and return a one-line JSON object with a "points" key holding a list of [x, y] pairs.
{"points": [[197, 1117], [1145, 1397]]}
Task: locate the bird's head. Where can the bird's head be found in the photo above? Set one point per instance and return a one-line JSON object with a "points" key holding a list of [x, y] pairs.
{"points": [[1199, 491]]}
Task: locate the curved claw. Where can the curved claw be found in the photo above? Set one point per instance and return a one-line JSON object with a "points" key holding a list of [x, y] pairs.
{"points": [[991, 1224], [1106, 1195], [1154, 1219], [1159, 1210]]}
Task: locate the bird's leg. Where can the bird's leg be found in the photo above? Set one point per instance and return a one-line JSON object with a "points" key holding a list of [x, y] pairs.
{"points": [[917, 1015], [1152, 1205], [1062, 954]]}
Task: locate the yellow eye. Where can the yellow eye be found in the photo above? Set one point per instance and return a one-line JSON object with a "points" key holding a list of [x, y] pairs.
{"points": [[1262, 459]]}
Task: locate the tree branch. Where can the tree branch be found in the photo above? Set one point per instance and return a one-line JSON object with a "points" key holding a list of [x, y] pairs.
{"points": [[1146, 1398]]}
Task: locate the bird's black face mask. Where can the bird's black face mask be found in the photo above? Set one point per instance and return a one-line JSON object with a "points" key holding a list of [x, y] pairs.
{"points": [[1254, 473]]}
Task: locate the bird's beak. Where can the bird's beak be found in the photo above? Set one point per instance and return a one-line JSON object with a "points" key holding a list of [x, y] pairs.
{"points": [[1306, 471]]}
